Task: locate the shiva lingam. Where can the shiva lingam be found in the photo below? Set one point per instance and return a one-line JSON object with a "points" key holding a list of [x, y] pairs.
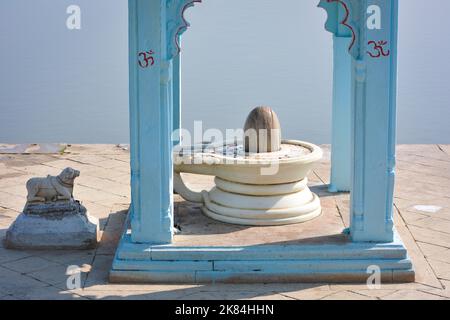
{"points": [[260, 182]]}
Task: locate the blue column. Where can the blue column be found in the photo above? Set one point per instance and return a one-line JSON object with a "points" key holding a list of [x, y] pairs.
{"points": [[150, 123], [177, 94], [341, 126], [374, 126]]}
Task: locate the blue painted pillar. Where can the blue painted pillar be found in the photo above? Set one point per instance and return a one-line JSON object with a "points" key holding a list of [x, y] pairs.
{"points": [[374, 125], [341, 126], [150, 123], [338, 12], [177, 95]]}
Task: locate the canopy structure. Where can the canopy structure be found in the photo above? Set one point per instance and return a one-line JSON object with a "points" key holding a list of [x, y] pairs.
{"points": [[363, 154]]}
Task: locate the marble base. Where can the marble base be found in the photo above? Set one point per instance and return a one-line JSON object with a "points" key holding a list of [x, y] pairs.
{"points": [[55, 226], [255, 205]]}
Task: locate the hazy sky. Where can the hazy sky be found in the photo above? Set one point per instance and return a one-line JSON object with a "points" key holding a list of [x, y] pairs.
{"points": [[58, 85]]}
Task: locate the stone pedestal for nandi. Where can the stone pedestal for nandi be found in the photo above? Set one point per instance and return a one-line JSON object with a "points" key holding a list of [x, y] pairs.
{"points": [[52, 218]]}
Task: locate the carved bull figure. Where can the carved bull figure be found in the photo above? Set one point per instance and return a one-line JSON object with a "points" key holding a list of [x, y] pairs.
{"points": [[51, 188]]}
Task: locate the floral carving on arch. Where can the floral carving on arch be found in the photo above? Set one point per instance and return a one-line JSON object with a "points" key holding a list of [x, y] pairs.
{"points": [[344, 13], [341, 13], [176, 23]]}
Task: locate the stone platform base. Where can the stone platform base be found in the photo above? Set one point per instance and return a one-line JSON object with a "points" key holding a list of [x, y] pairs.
{"points": [[330, 263], [64, 226]]}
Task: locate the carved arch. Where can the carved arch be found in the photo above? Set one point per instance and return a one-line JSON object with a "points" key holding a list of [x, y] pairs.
{"points": [[343, 17], [176, 23]]}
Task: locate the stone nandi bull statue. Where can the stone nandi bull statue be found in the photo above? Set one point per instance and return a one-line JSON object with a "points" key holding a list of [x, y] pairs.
{"points": [[52, 218], [51, 188]]}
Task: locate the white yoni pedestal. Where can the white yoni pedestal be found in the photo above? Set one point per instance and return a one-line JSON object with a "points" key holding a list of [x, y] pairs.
{"points": [[64, 225], [260, 190], [261, 205]]}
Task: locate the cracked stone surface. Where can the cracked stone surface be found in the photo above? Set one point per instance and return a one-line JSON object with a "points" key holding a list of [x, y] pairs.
{"points": [[422, 217]]}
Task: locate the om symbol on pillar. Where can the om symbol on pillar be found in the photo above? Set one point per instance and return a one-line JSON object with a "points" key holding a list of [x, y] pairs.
{"points": [[146, 59], [378, 49]]}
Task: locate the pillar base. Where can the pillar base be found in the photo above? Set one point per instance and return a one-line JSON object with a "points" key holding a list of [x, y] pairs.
{"points": [[319, 263]]}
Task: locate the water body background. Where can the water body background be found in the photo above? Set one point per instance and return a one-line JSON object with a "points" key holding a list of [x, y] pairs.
{"points": [[58, 85]]}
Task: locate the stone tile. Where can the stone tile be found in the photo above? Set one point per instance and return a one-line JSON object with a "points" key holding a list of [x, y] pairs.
{"points": [[375, 293], [29, 264], [116, 220], [124, 179], [2, 237], [423, 149], [99, 274], [442, 269], [444, 214], [310, 293], [384, 286], [421, 169], [56, 275], [11, 201], [6, 170], [411, 217], [17, 190], [284, 288], [125, 169], [347, 295], [19, 180], [430, 236], [13, 282], [443, 163], [110, 188], [106, 168], [95, 171], [39, 170], [104, 184], [111, 164], [84, 158], [98, 196], [435, 224], [96, 149], [432, 251], [7, 255], [4, 225], [277, 297], [424, 273], [108, 242], [7, 214], [403, 204], [97, 210], [132, 295], [111, 287], [125, 157], [114, 200], [46, 293], [235, 295], [64, 163], [412, 295], [445, 292], [445, 148]]}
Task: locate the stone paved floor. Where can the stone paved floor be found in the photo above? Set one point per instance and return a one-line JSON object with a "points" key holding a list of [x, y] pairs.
{"points": [[422, 203]]}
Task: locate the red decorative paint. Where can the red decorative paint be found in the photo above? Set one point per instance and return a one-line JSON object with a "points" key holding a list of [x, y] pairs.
{"points": [[345, 21], [378, 49], [146, 59]]}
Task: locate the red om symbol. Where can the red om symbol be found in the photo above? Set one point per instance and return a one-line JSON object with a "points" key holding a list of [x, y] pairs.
{"points": [[146, 59], [378, 49]]}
